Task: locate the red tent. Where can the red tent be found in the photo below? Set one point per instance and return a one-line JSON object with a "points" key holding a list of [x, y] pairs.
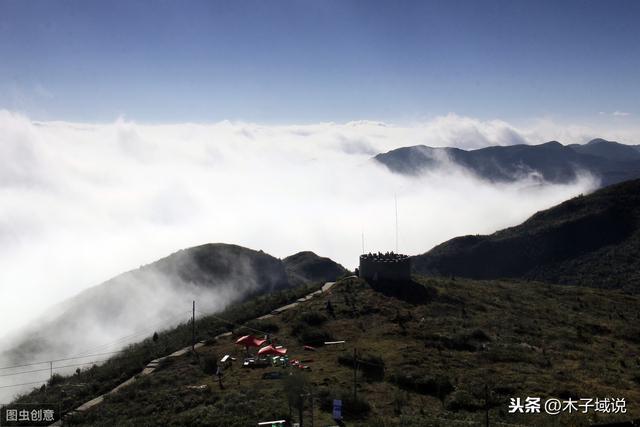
{"points": [[272, 350], [250, 341]]}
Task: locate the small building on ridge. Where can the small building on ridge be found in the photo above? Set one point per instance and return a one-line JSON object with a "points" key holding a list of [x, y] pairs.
{"points": [[389, 267]]}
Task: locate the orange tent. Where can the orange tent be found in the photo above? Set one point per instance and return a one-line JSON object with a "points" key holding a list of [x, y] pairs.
{"points": [[250, 341], [272, 350]]}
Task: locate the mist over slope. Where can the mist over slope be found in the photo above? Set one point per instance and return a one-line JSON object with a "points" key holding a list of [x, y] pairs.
{"points": [[133, 305], [591, 240], [609, 161], [160, 295]]}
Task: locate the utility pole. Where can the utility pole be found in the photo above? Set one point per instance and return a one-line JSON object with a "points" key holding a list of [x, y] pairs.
{"points": [[355, 373], [51, 370], [301, 410], [311, 398], [486, 405], [193, 328], [363, 242]]}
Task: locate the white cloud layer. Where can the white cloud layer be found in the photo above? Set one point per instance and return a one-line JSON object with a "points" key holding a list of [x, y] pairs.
{"points": [[80, 203], [615, 113]]}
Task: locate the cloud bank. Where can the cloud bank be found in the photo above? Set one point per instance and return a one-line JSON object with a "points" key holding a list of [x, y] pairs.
{"points": [[81, 203]]}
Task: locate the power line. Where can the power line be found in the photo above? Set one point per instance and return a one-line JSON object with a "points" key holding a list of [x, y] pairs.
{"points": [[87, 353], [235, 323], [69, 366], [111, 352], [59, 367], [17, 385], [105, 353], [139, 332], [61, 360], [25, 372], [82, 356]]}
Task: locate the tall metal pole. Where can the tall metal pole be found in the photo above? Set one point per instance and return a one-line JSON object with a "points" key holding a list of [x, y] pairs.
{"points": [[301, 410], [311, 398], [193, 328], [486, 405], [355, 373], [396, 200], [302, 400]]}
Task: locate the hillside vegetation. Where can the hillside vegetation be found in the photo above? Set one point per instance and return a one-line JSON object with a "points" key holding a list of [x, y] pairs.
{"points": [[589, 240], [418, 364]]}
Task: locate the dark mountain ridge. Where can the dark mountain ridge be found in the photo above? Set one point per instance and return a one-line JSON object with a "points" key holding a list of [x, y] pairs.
{"points": [[589, 240], [553, 162], [306, 266], [608, 149]]}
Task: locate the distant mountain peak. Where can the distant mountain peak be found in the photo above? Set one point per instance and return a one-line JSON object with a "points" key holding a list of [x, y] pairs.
{"points": [[306, 266], [600, 141], [551, 161], [553, 143]]}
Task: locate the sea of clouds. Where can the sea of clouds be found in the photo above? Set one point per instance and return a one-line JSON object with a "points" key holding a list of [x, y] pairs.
{"points": [[80, 203]]}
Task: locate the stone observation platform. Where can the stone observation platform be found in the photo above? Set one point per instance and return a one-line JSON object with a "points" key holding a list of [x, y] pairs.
{"points": [[387, 266]]}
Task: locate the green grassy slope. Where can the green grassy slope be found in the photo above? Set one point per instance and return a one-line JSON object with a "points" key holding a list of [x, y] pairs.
{"points": [[419, 365], [589, 240]]}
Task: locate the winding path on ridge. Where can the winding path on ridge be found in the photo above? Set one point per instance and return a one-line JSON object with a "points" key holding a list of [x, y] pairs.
{"points": [[154, 364]]}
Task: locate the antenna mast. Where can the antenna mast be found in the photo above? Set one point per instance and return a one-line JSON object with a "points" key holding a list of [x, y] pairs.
{"points": [[395, 196]]}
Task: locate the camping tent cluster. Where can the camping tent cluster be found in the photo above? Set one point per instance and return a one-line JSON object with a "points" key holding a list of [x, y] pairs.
{"points": [[271, 350], [251, 341]]}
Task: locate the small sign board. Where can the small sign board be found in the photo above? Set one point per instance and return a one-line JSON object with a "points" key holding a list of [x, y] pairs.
{"points": [[337, 409], [277, 423]]}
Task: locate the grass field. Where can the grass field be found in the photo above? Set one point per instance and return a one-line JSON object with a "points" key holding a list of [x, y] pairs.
{"points": [[423, 364]]}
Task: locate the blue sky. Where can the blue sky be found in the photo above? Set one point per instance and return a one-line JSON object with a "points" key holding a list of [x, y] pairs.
{"points": [[304, 61]]}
